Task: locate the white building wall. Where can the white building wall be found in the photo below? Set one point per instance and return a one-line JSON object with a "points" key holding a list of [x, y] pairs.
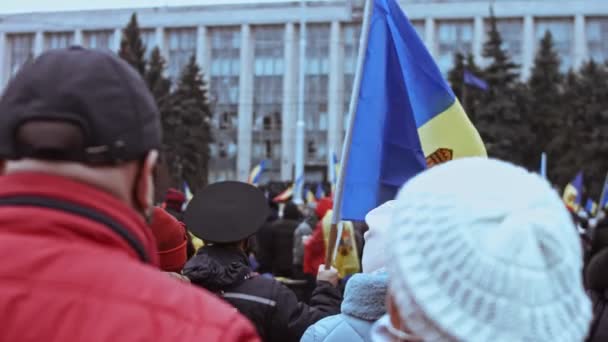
{"points": [[580, 41], [528, 49], [335, 96], [288, 139], [244, 135], [38, 43]]}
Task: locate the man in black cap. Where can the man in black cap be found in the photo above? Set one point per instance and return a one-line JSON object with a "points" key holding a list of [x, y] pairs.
{"points": [[79, 135], [225, 215]]}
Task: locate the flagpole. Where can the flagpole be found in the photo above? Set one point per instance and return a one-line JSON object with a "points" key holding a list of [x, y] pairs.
{"points": [[600, 204], [354, 99], [300, 123], [463, 93], [543, 165]]}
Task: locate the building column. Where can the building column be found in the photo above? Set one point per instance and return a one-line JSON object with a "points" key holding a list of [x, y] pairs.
{"points": [[159, 33], [244, 134], [78, 40], [528, 50], [203, 51], [117, 38], [429, 35], [336, 94], [38, 43], [478, 39], [288, 134], [3, 59], [580, 41]]}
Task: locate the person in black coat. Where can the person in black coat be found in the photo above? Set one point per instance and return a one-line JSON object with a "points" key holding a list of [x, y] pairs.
{"points": [[225, 215], [275, 243]]}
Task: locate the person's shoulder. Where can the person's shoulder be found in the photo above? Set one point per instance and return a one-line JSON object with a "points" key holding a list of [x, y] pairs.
{"points": [[197, 312], [337, 327]]}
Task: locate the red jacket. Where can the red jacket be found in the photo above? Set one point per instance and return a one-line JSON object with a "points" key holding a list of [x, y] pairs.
{"points": [[65, 277]]}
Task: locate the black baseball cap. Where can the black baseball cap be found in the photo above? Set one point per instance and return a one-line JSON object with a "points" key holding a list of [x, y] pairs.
{"points": [[94, 90]]}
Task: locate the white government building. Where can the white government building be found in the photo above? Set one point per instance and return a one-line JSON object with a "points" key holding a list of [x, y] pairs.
{"points": [[249, 53]]}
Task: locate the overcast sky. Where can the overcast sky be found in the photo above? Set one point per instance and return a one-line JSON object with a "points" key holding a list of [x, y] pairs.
{"points": [[21, 6]]}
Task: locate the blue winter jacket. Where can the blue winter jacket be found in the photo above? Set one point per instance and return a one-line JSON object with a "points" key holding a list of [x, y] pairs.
{"points": [[363, 304]]}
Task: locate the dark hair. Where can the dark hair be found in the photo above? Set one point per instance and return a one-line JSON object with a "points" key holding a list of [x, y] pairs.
{"points": [[291, 212]]}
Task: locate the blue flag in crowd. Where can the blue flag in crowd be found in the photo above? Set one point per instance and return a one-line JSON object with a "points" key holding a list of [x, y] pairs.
{"points": [[604, 198], [573, 193], [407, 116], [472, 80], [385, 149], [320, 193]]}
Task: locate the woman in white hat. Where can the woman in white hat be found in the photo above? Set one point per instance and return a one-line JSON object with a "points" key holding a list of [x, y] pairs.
{"points": [[481, 250]]}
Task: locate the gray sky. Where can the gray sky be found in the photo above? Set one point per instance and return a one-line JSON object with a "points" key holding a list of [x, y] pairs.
{"points": [[21, 6]]}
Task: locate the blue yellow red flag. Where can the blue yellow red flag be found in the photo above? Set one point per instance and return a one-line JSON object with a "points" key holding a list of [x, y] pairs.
{"points": [[256, 172], [284, 196], [406, 115], [573, 193]]}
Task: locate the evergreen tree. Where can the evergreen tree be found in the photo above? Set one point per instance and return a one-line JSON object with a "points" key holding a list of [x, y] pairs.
{"points": [[500, 121], [545, 109], [455, 75], [160, 87], [187, 129], [158, 84], [585, 133], [456, 79], [132, 49]]}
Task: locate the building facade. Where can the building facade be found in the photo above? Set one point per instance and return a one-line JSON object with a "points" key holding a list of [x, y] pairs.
{"points": [[249, 54]]}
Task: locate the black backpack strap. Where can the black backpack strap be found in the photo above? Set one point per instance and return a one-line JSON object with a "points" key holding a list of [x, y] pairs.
{"points": [[75, 209]]}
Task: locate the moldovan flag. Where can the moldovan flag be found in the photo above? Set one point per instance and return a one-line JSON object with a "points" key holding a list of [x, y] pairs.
{"points": [[406, 115]]}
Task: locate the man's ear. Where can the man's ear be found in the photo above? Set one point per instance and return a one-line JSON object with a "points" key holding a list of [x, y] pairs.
{"points": [[145, 184]]}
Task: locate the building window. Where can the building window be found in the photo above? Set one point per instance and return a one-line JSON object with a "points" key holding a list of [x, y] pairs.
{"points": [[181, 47], [98, 39], [597, 39], [268, 145], [268, 70], [223, 153], [148, 38], [316, 88], [311, 148], [20, 50], [58, 40], [562, 31], [453, 37], [226, 121], [511, 32]]}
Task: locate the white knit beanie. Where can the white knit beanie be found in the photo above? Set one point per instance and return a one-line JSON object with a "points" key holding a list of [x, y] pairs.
{"points": [[374, 250], [482, 250]]}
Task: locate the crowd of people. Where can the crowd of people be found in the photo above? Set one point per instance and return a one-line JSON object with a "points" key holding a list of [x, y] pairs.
{"points": [[470, 250]]}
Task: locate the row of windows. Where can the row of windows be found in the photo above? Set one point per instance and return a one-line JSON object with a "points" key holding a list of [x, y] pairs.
{"points": [[451, 36]]}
